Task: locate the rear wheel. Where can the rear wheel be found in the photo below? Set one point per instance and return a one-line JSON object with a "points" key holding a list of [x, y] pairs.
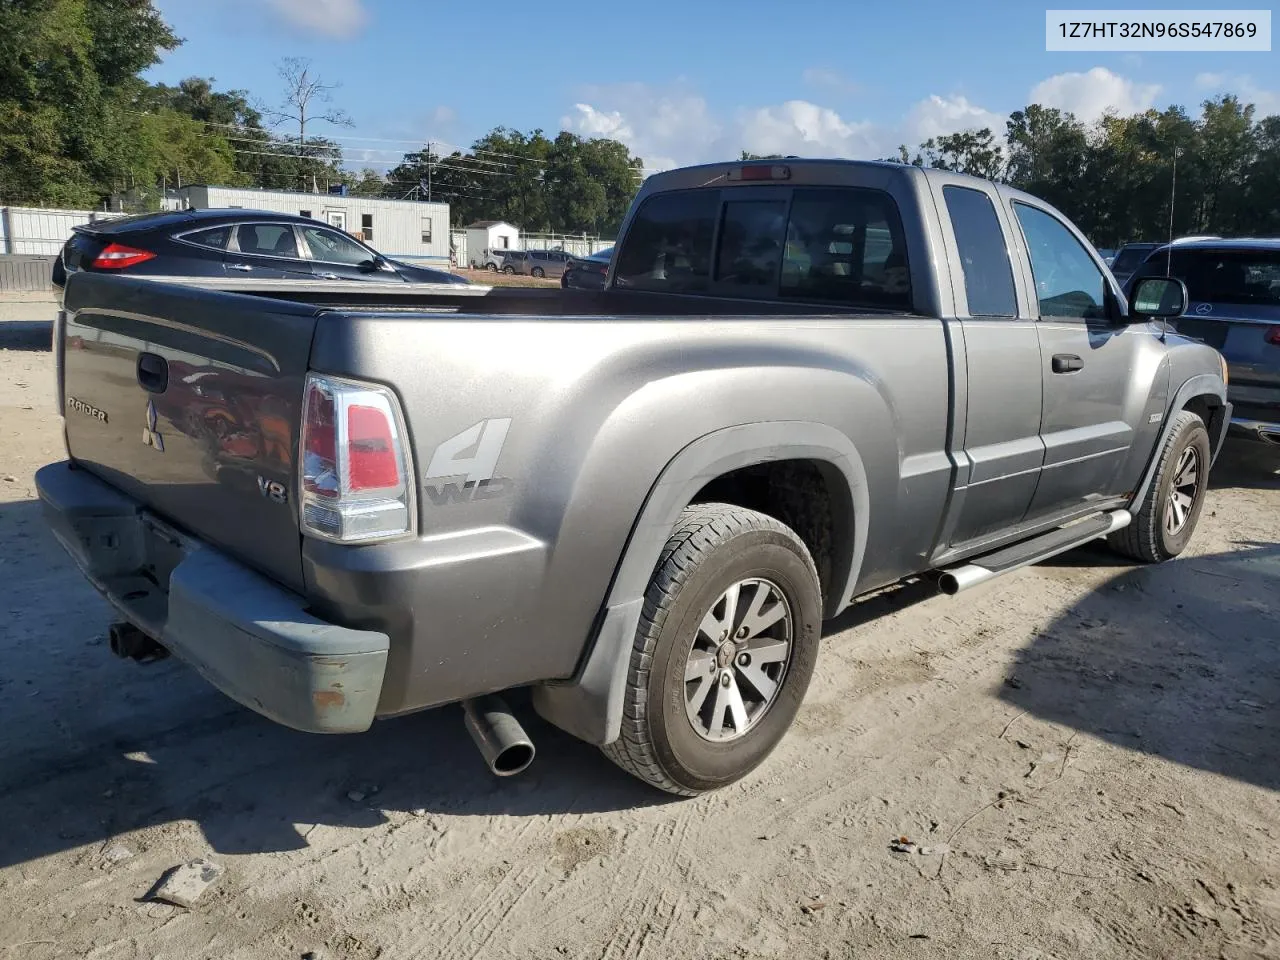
{"points": [[491, 267], [724, 653], [1166, 519]]}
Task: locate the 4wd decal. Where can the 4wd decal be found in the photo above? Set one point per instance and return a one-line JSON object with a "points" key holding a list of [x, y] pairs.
{"points": [[473, 456]]}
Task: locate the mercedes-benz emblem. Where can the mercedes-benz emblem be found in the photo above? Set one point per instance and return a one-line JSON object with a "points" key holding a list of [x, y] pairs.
{"points": [[1203, 308]]}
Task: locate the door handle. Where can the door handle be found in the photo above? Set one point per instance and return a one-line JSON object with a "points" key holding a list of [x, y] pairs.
{"points": [[1067, 363], [153, 372], [242, 267], [329, 276]]}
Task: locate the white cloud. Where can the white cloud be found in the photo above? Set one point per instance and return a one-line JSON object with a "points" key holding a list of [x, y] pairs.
{"points": [[666, 127], [340, 19], [800, 128], [936, 116], [1090, 95], [675, 126], [1245, 88]]}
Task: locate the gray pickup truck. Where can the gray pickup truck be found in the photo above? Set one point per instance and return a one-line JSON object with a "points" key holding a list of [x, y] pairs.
{"points": [[803, 381]]}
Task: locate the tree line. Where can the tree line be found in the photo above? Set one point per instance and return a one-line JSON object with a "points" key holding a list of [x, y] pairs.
{"points": [[1122, 178], [79, 127]]}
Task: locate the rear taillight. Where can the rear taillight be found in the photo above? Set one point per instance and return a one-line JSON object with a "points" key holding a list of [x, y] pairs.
{"points": [[1273, 336], [356, 481], [116, 256]]}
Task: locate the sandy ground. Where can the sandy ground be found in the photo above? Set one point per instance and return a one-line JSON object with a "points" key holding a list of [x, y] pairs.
{"points": [[1097, 745]]}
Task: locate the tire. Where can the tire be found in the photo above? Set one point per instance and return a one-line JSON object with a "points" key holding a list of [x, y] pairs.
{"points": [[538, 272], [492, 267], [714, 547], [509, 270], [1159, 531]]}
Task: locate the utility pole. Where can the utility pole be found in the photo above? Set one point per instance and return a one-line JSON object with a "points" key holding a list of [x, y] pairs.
{"points": [[1173, 194], [429, 166]]}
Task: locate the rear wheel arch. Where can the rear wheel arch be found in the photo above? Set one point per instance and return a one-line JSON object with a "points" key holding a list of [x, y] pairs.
{"points": [[590, 706]]}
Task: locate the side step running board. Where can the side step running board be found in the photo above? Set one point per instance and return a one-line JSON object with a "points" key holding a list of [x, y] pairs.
{"points": [[1023, 554]]}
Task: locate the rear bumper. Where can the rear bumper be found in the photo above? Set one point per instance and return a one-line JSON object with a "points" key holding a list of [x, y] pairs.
{"points": [[249, 637]]}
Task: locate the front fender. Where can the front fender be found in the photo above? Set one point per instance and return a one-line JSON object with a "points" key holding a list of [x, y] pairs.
{"points": [[1200, 385]]}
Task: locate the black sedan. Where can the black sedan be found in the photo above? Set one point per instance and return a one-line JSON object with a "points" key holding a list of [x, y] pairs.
{"points": [[232, 243], [587, 273]]}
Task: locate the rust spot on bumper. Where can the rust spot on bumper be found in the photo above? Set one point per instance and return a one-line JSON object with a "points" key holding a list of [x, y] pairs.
{"points": [[328, 700]]}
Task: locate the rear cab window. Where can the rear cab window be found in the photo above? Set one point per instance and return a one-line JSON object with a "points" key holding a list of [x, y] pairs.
{"points": [[984, 257], [839, 245]]}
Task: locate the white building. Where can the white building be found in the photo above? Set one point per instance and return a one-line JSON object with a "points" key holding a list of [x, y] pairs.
{"points": [[403, 229], [486, 236]]}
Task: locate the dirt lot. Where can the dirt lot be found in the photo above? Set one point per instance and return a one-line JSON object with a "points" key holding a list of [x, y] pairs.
{"points": [[1097, 745]]}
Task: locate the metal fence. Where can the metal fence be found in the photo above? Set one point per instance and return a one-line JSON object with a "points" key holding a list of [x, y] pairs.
{"points": [[24, 272], [40, 231]]}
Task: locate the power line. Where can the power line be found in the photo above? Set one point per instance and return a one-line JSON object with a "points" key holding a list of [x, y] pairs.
{"points": [[473, 151]]}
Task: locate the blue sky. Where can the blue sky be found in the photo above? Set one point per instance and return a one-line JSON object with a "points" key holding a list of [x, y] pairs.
{"points": [[685, 82]]}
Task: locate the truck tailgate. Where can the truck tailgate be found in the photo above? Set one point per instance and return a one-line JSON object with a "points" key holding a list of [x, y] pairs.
{"points": [[191, 408]]}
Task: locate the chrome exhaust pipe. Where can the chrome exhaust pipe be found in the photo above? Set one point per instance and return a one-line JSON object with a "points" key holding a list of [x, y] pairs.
{"points": [[506, 748], [962, 578]]}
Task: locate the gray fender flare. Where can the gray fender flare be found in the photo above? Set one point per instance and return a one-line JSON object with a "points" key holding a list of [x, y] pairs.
{"points": [[1205, 384], [590, 705]]}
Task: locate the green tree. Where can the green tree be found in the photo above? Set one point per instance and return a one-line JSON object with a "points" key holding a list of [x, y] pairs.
{"points": [[68, 69]]}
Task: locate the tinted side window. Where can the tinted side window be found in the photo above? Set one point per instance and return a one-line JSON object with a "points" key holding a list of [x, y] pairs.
{"points": [[1068, 282], [752, 234], [1227, 276], [847, 246], [668, 246], [215, 238], [1129, 259], [267, 239], [988, 276]]}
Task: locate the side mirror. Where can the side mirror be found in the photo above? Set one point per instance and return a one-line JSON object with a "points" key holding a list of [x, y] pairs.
{"points": [[1157, 298]]}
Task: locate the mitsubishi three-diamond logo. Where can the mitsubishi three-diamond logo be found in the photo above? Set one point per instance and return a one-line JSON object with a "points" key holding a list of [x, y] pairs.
{"points": [[150, 435]]}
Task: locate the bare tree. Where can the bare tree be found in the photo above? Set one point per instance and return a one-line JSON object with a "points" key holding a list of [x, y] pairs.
{"points": [[305, 97]]}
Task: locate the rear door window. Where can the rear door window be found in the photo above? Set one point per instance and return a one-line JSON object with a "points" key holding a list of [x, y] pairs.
{"points": [[668, 246], [267, 240], [847, 246], [988, 275]]}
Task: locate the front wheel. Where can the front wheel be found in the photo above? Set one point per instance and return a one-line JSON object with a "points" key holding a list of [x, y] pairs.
{"points": [[509, 270], [1164, 522], [726, 647], [538, 272]]}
